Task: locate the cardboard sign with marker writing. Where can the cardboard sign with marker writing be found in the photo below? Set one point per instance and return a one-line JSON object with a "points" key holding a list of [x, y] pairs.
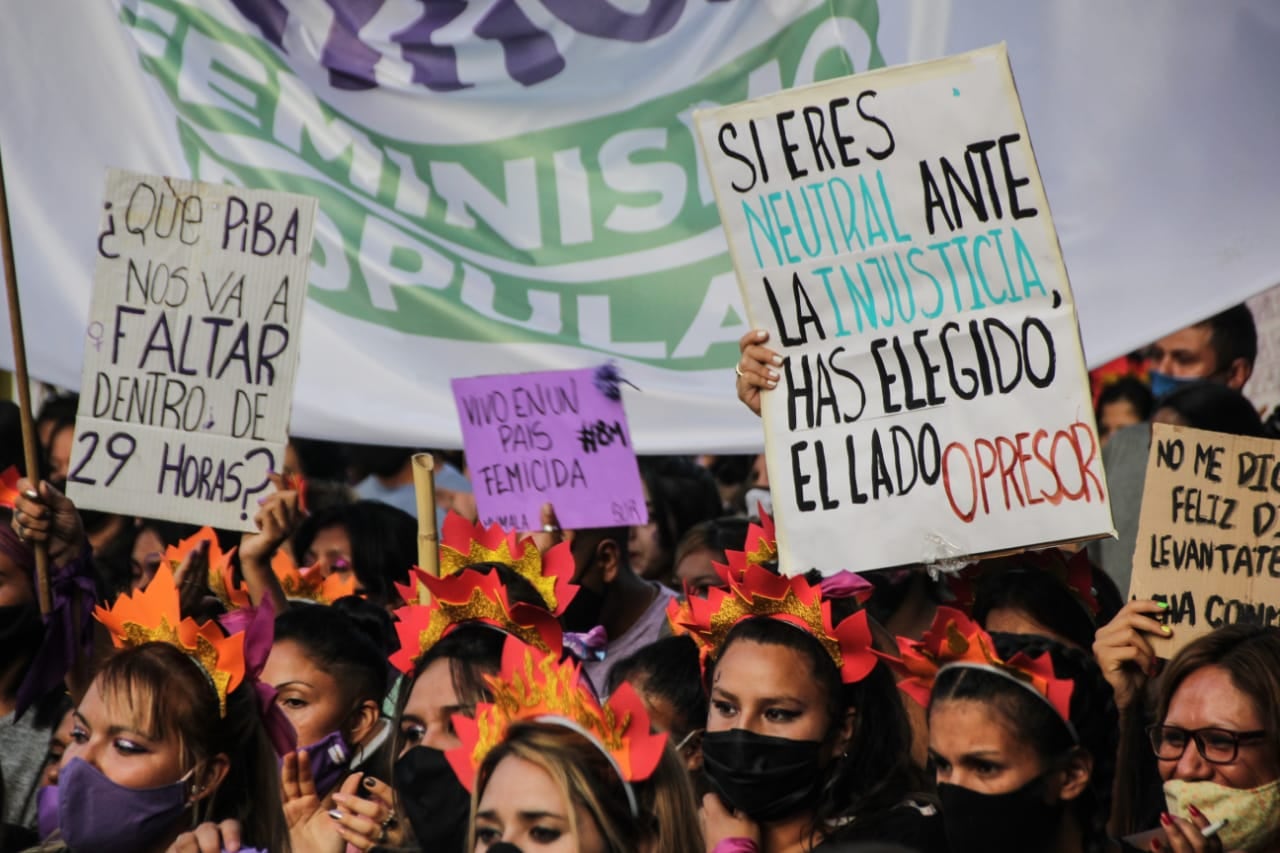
{"points": [[1209, 532], [191, 349], [555, 437], [891, 233]]}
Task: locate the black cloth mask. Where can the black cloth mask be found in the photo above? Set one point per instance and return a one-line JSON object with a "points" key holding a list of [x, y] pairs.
{"points": [[434, 801], [1019, 821], [766, 778], [583, 612]]}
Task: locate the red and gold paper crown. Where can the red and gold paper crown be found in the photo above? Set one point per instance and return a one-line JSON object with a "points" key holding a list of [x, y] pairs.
{"points": [[761, 548], [464, 543], [536, 686], [311, 584], [9, 487], [153, 616], [470, 597], [761, 593], [956, 640]]}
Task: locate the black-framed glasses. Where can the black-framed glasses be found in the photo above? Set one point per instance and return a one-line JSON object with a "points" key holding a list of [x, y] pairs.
{"points": [[1216, 746]]}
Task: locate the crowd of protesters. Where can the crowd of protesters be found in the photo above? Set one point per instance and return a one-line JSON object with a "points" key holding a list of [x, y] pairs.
{"points": [[665, 687]]}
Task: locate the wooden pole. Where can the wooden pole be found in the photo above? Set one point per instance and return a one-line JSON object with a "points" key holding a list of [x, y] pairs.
{"points": [[424, 488], [23, 381]]}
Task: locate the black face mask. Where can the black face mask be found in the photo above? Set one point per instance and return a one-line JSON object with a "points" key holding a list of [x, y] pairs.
{"points": [[434, 801], [21, 632], [503, 847], [1019, 821], [766, 778], [583, 612]]}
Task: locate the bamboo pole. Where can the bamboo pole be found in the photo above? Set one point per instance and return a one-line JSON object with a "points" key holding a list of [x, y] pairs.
{"points": [[424, 488], [23, 381]]}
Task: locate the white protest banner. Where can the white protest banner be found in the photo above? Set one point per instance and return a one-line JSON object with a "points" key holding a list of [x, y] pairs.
{"points": [[891, 232], [191, 349], [1208, 531]]}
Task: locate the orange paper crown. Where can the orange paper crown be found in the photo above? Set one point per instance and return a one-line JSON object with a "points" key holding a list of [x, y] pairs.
{"points": [[153, 616], [956, 640], [472, 596], [311, 584], [759, 592], [537, 686], [464, 543], [222, 582], [9, 487]]}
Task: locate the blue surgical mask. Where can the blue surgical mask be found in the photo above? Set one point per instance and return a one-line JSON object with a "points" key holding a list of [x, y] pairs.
{"points": [[1162, 384]]}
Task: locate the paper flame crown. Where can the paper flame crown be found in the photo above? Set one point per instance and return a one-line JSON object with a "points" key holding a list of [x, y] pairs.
{"points": [[956, 640], [759, 592], [222, 582], [472, 596], [152, 615], [761, 547], [463, 543], [535, 686], [1074, 571], [9, 487], [311, 584]]}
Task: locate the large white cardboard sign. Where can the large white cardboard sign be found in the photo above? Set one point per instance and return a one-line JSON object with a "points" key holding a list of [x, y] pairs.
{"points": [[891, 233], [191, 348]]}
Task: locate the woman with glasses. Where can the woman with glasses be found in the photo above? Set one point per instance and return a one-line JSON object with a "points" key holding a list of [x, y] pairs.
{"points": [[1217, 742]]}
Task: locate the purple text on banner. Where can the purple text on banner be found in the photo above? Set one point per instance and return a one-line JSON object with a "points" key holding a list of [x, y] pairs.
{"points": [[554, 437]]}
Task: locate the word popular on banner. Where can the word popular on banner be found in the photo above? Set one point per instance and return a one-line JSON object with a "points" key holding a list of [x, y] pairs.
{"points": [[557, 437], [191, 349], [1209, 532], [891, 233]]}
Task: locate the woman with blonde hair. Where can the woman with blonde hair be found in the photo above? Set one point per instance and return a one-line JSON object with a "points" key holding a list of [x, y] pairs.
{"points": [[552, 769]]}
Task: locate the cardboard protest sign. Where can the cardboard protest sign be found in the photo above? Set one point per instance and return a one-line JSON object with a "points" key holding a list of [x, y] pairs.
{"points": [[558, 437], [1209, 532], [891, 233], [192, 348]]}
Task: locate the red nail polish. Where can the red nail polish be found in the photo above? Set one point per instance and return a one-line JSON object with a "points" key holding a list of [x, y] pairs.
{"points": [[1195, 812], [1156, 845], [1166, 819]]}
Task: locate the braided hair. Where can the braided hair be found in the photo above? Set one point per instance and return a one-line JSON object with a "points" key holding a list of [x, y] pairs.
{"points": [[1093, 714]]}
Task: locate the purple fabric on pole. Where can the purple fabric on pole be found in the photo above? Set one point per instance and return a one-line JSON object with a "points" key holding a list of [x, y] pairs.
{"points": [[845, 585], [58, 650], [258, 635]]}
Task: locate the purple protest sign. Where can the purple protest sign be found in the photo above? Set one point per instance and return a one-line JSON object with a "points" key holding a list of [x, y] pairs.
{"points": [[558, 437]]}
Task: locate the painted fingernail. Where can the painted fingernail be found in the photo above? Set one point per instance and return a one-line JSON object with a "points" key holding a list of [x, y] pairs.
{"points": [[335, 814], [1166, 819], [777, 359], [261, 501], [370, 782], [1164, 605], [30, 494], [1156, 845], [1166, 630], [761, 334], [773, 374], [1195, 812], [772, 384]]}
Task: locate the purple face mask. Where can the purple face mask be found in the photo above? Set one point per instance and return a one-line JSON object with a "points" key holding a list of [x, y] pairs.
{"points": [[330, 757], [47, 811], [96, 814]]}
